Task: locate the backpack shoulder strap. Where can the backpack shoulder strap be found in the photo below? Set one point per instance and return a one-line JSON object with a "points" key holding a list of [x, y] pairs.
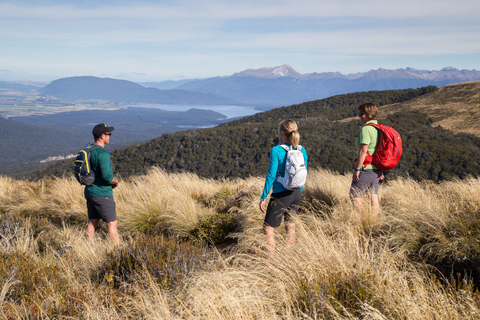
{"points": [[376, 125], [91, 147], [287, 148]]}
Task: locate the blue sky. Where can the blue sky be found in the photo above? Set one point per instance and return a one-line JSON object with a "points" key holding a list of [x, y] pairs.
{"points": [[177, 39]]}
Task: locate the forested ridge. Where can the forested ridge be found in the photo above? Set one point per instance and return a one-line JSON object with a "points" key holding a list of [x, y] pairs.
{"points": [[336, 107], [241, 148]]}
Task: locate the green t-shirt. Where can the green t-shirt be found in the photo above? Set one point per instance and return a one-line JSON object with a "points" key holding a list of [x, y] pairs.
{"points": [[101, 165], [371, 136]]}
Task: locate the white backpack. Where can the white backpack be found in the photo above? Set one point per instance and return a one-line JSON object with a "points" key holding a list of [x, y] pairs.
{"points": [[295, 174]]}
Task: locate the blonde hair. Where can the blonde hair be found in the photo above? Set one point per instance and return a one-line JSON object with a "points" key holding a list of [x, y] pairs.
{"points": [[290, 130]]}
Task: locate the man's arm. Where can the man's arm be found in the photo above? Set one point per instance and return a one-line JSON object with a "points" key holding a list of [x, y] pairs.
{"points": [[106, 169]]}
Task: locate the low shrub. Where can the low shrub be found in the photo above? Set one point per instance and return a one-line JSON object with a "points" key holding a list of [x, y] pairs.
{"points": [[220, 198], [9, 225], [217, 228], [169, 261], [26, 278], [333, 294]]}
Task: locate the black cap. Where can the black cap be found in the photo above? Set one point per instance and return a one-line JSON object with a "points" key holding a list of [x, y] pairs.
{"points": [[100, 129]]}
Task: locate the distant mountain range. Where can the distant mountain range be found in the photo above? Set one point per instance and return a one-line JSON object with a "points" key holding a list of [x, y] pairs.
{"points": [[408, 73], [86, 87], [264, 88], [282, 85]]}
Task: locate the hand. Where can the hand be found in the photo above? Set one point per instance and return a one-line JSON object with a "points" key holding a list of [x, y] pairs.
{"points": [[262, 205], [356, 176], [382, 177], [114, 183]]}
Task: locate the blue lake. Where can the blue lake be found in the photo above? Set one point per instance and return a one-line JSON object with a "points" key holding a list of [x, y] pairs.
{"points": [[229, 111]]}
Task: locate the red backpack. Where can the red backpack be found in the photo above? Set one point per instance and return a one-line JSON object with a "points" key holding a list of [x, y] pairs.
{"points": [[389, 148]]}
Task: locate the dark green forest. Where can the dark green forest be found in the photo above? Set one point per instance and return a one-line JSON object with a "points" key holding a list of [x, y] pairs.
{"points": [[241, 148], [29, 139]]}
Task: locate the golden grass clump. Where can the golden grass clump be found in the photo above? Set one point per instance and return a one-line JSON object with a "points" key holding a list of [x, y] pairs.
{"points": [[436, 220], [327, 187], [57, 199], [8, 189], [165, 203], [18, 195]]}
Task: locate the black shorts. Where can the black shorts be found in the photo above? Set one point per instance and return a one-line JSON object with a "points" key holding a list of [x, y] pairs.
{"points": [[368, 180], [282, 204], [101, 208]]}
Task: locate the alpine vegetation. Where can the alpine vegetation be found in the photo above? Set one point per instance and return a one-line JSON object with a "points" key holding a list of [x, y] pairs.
{"points": [[192, 248]]}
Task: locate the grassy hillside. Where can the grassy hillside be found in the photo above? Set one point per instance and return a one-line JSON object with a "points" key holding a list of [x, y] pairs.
{"points": [[454, 107], [418, 261], [241, 148]]}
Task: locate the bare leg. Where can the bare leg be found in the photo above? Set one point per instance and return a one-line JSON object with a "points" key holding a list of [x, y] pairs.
{"points": [[290, 227], [268, 231], [359, 205], [91, 227], [113, 232]]}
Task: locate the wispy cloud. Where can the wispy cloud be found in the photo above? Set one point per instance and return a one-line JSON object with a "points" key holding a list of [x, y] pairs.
{"points": [[159, 39]]}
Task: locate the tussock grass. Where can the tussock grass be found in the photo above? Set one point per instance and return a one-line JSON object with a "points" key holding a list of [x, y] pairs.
{"points": [[165, 203], [418, 261], [325, 277], [327, 188]]}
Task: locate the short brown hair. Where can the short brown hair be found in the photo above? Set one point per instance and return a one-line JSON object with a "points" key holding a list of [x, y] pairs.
{"points": [[370, 110]]}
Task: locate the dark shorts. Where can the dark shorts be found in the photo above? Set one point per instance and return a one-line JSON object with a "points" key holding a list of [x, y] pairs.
{"points": [[101, 208], [368, 180], [282, 204]]}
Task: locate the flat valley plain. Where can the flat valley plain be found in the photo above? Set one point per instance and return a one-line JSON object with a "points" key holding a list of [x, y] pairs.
{"points": [[16, 103], [34, 120]]}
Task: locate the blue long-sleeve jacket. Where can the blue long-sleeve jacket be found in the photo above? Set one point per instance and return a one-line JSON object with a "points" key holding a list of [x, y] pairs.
{"points": [[276, 168]]}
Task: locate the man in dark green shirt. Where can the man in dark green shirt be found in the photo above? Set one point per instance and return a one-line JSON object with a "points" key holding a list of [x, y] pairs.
{"points": [[99, 195]]}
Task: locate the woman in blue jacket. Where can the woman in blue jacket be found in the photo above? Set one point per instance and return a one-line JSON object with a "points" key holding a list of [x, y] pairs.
{"points": [[283, 202]]}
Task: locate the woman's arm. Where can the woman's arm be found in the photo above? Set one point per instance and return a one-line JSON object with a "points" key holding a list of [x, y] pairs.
{"points": [[362, 154], [272, 173], [271, 176]]}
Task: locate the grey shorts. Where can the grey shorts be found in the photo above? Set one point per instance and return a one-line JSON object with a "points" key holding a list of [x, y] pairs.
{"points": [[368, 180], [101, 208], [281, 206]]}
